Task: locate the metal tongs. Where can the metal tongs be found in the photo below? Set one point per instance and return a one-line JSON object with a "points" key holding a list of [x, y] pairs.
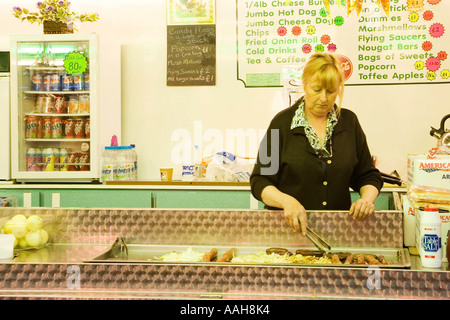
{"points": [[119, 248], [318, 241]]}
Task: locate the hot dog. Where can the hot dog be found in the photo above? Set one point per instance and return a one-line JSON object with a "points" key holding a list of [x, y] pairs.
{"points": [[227, 256], [360, 259], [382, 260], [349, 259], [371, 259], [210, 256], [335, 259]]}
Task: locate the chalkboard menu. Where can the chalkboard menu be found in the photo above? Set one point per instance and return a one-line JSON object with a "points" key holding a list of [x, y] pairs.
{"points": [[191, 55]]}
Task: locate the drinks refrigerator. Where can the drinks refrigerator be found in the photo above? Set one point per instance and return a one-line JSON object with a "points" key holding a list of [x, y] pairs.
{"points": [[65, 105]]}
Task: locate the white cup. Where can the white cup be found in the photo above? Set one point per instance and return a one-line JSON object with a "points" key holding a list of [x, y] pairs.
{"points": [[6, 246]]}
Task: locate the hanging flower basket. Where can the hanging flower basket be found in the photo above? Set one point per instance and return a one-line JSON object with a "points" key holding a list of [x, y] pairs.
{"points": [[55, 15], [52, 27]]}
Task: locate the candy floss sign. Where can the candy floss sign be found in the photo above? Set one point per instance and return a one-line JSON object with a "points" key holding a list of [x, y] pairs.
{"points": [[407, 44]]}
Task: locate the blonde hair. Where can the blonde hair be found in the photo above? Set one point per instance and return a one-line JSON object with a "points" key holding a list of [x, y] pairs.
{"points": [[325, 68]]}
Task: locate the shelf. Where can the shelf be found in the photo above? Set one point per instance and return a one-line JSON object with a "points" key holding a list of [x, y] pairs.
{"points": [[56, 92], [57, 140], [58, 114], [46, 68]]}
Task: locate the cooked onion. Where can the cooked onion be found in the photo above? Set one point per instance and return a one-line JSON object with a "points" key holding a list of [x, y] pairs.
{"points": [[262, 257]]}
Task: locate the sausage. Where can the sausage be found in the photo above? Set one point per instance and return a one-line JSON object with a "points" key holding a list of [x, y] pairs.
{"points": [[349, 259], [280, 251], [335, 259], [227, 256], [382, 260], [371, 259], [210, 256], [360, 259]]}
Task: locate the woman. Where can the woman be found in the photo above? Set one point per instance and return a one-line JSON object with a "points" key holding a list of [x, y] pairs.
{"points": [[320, 151]]}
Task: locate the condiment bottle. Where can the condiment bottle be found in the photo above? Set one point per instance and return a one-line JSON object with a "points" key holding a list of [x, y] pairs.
{"points": [[430, 238]]}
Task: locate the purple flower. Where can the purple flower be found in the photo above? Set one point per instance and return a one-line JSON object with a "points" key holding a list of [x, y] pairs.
{"points": [[49, 8], [61, 3], [39, 4], [17, 9]]}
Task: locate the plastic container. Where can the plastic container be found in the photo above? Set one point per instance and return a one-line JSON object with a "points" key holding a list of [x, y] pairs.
{"points": [[6, 246], [430, 238], [108, 164], [31, 231]]}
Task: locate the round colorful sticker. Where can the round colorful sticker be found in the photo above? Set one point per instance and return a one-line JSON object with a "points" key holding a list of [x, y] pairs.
{"points": [[433, 64], [428, 15], [436, 30], [75, 63], [296, 30]]}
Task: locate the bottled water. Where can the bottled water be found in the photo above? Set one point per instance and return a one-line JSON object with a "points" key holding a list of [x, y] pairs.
{"points": [[122, 164], [119, 163], [134, 158], [108, 164]]}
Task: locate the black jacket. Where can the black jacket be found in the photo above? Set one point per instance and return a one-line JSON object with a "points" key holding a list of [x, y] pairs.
{"points": [[318, 183]]}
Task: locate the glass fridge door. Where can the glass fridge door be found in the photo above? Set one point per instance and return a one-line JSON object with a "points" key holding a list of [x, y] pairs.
{"points": [[53, 108]]}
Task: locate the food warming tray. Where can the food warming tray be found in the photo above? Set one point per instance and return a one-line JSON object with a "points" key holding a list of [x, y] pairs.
{"points": [[148, 254]]}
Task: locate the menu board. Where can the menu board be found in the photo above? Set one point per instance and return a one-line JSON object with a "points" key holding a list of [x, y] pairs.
{"points": [[407, 45], [191, 55]]}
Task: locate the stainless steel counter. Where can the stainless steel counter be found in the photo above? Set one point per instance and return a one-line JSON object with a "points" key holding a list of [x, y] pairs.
{"points": [[58, 270]]}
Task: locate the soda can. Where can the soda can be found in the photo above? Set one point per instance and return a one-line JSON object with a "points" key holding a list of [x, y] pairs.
{"points": [[31, 160], [31, 131], [79, 128], [40, 128], [63, 158], [66, 82], [49, 159], [69, 129], [83, 160], [47, 128], [49, 105], [37, 81], [60, 104], [56, 153], [87, 129], [38, 159], [57, 128], [74, 106], [47, 82], [84, 103], [86, 82], [77, 82], [54, 82], [72, 161]]}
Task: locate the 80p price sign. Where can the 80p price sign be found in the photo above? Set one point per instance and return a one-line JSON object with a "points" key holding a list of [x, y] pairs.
{"points": [[75, 63]]}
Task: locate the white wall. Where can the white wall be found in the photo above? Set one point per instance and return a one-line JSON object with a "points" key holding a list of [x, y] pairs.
{"points": [[396, 119]]}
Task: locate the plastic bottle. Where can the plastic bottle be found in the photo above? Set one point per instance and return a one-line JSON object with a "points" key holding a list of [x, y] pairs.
{"points": [[122, 163], [108, 164], [430, 238], [135, 159]]}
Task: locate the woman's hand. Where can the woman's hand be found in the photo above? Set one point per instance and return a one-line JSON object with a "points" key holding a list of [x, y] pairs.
{"points": [[362, 209], [295, 215], [294, 212]]}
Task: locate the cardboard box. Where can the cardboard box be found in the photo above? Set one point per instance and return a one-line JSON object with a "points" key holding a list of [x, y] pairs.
{"points": [[429, 172], [409, 223]]}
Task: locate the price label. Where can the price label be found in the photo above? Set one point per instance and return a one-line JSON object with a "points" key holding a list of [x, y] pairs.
{"points": [[75, 63]]}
